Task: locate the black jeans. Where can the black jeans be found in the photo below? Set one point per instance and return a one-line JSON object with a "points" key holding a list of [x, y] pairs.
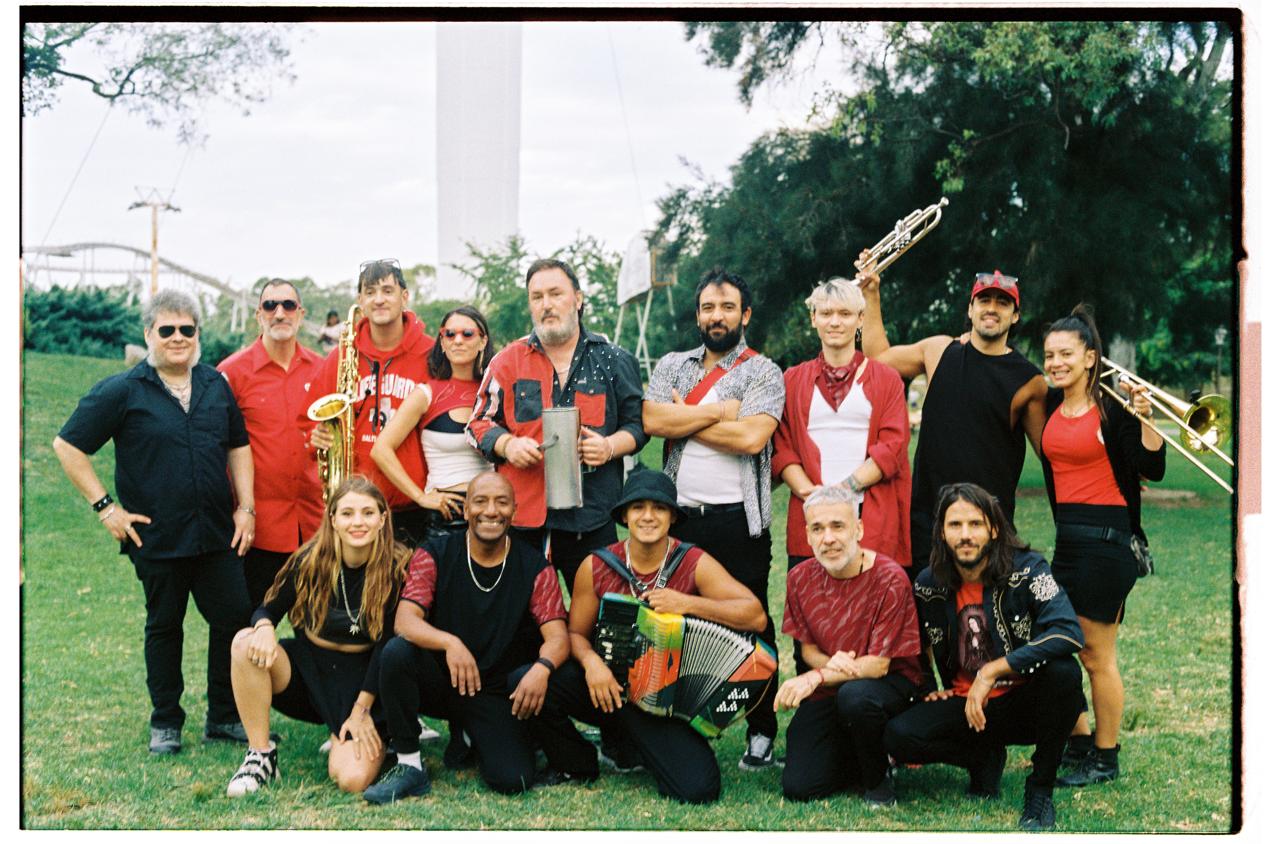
{"points": [[216, 581], [838, 741], [680, 759], [260, 569], [414, 681], [1040, 712], [726, 537]]}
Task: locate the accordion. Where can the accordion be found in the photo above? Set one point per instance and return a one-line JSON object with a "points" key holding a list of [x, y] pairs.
{"points": [[682, 666]]}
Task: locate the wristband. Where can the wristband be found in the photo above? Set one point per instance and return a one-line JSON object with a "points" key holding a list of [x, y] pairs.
{"points": [[107, 514], [260, 624], [102, 503], [546, 663]]}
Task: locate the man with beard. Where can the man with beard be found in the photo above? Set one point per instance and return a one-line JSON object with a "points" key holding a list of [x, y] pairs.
{"points": [[560, 364], [1014, 681], [269, 380], [391, 348], [850, 611], [718, 406], [983, 396], [178, 436]]}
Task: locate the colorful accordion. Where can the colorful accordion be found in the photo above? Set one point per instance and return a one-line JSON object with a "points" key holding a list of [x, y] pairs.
{"points": [[682, 666]]}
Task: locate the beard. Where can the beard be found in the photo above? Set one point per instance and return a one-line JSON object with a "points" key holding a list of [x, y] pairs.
{"points": [[556, 336], [982, 555], [725, 343]]}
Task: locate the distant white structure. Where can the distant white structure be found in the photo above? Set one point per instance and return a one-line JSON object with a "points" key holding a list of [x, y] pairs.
{"points": [[477, 143]]}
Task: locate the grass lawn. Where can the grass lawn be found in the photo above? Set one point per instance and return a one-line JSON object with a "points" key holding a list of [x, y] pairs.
{"points": [[85, 706]]}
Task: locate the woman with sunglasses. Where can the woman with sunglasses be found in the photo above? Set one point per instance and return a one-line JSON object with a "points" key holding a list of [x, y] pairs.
{"points": [[339, 591], [1095, 455], [438, 410]]}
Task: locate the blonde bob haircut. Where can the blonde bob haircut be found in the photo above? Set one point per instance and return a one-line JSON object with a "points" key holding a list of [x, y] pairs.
{"points": [[837, 291]]}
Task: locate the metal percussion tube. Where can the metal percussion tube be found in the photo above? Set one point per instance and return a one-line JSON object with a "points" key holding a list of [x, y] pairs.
{"points": [[560, 465]]}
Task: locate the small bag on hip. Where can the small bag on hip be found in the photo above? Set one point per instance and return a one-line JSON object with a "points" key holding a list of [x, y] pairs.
{"points": [[1142, 553]]}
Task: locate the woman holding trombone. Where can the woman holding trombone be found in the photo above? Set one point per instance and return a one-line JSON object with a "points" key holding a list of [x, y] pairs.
{"points": [[1095, 454]]}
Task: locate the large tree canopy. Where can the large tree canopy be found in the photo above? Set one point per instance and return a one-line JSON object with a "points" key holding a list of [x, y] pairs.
{"points": [[1091, 159], [161, 71]]}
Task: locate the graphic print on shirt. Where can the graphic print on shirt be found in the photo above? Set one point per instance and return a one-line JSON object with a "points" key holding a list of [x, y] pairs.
{"points": [[975, 639]]}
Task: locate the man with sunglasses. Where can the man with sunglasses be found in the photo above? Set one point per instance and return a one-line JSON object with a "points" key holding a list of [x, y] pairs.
{"points": [[269, 379], [180, 449], [391, 346], [983, 397]]}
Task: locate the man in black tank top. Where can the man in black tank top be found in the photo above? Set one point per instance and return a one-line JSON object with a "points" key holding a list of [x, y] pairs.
{"points": [[983, 397]]}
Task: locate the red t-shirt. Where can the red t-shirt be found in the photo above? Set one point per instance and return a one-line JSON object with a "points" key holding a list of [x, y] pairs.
{"points": [[605, 579], [286, 481], [1081, 471], [871, 614], [545, 603], [974, 641]]}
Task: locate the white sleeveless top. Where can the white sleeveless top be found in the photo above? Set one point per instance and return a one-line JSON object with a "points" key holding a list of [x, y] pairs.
{"points": [[707, 476], [841, 435], [450, 460]]}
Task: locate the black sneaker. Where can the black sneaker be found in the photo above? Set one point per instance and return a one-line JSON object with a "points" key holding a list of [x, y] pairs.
{"points": [[759, 753], [258, 768], [1037, 809], [1098, 766], [459, 753], [883, 795], [550, 778], [165, 741], [985, 773], [399, 782], [620, 755], [231, 731]]}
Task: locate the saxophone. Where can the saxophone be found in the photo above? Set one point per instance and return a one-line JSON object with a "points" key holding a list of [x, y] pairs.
{"points": [[335, 411]]}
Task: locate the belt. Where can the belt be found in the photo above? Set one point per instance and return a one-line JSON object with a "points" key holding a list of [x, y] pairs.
{"points": [[1106, 534], [710, 509]]}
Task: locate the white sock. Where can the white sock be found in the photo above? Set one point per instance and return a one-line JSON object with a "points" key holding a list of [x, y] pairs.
{"points": [[413, 760]]}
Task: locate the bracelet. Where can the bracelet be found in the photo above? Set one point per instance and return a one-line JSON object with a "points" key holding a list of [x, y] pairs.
{"points": [[818, 671], [611, 449], [721, 406], [107, 514], [546, 663], [249, 510], [102, 503], [260, 623]]}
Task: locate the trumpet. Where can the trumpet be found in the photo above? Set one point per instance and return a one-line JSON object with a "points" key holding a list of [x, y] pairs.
{"points": [[335, 411], [1205, 423], [906, 233]]}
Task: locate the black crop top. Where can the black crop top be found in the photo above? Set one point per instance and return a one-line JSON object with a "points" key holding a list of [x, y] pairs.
{"points": [[445, 424]]}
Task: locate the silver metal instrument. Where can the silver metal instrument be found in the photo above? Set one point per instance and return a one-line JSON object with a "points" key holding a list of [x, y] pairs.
{"points": [[562, 470]]}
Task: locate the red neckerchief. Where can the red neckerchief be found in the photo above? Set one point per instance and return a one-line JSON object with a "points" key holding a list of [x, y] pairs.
{"points": [[835, 382]]}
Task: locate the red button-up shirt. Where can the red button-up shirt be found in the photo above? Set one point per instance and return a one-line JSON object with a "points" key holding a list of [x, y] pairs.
{"points": [[286, 484]]}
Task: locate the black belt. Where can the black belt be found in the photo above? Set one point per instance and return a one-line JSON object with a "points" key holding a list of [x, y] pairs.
{"points": [[710, 509], [1106, 534]]}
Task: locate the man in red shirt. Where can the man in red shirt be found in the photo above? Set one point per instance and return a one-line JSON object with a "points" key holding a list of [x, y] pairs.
{"points": [[269, 381], [852, 613], [391, 346]]}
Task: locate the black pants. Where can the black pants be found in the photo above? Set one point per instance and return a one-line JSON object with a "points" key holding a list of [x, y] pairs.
{"points": [[260, 569], [412, 681], [838, 741], [568, 548], [216, 581], [410, 524], [1041, 712], [680, 759], [726, 537]]}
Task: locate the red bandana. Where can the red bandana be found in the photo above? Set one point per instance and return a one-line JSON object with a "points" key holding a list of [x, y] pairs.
{"points": [[834, 382]]}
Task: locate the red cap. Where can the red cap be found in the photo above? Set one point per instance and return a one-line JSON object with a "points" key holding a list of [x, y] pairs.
{"points": [[1006, 284]]}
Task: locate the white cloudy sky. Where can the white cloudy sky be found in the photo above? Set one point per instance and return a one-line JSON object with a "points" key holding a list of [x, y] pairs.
{"points": [[340, 166]]}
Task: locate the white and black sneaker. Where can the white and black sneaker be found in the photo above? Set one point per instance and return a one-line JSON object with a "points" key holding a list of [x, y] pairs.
{"points": [[759, 753], [258, 768]]}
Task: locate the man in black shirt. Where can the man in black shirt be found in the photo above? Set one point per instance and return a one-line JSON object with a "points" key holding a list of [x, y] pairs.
{"points": [[177, 432], [983, 396]]}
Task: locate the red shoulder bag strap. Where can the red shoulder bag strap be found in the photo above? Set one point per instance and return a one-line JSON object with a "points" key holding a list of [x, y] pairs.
{"points": [[700, 390]]}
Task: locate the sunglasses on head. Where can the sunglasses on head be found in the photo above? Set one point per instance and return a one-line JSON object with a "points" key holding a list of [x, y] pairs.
{"points": [[997, 279], [391, 261], [466, 332], [166, 331], [269, 305]]}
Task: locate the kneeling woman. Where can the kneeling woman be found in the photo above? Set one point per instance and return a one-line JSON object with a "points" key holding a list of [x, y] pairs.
{"points": [[340, 591]]}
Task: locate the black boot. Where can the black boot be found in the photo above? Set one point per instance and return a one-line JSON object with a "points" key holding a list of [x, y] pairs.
{"points": [[1100, 766], [1075, 755]]}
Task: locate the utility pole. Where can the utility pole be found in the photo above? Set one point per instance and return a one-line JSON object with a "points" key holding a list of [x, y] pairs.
{"points": [[153, 201]]}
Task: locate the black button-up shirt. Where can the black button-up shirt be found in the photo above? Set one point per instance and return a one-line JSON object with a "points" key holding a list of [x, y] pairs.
{"points": [[170, 466]]}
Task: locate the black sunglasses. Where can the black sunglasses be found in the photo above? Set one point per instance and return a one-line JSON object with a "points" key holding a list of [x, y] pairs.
{"points": [[166, 331], [466, 332], [269, 305]]}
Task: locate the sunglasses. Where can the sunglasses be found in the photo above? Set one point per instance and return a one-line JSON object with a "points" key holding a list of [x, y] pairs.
{"points": [[466, 332], [392, 261], [166, 331], [997, 279], [269, 305]]}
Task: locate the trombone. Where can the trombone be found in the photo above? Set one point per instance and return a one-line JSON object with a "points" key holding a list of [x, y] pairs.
{"points": [[1205, 423], [906, 233]]}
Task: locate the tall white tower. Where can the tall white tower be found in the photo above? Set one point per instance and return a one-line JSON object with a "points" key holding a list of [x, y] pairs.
{"points": [[477, 143]]}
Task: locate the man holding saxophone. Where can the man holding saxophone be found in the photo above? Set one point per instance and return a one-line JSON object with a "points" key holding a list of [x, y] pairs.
{"points": [[390, 346]]}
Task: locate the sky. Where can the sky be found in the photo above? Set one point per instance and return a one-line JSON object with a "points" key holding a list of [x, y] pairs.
{"points": [[339, 167]]}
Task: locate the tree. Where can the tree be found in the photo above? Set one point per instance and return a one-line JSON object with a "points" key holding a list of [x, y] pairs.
{"points": [[94, 322], [162, 71]]}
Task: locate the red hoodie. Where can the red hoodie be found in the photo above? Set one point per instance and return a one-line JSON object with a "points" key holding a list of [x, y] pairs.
{"points": [[399, 371]]}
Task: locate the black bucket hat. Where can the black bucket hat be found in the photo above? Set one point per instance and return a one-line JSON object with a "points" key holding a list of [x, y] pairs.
{"points": [[648, 485]]}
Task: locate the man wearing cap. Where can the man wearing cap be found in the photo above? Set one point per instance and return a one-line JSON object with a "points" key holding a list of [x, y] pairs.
{"points": [[680, 759], [983, 397]]}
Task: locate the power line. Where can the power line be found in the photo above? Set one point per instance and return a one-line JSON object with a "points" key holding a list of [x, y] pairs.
{"points": [[626, 125], [44, 240]]}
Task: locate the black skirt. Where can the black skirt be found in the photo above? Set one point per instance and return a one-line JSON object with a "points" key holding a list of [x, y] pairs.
{"points": [[324, 685], [1096, 574]]}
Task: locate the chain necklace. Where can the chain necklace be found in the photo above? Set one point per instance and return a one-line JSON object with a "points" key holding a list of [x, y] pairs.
{"points": [[181, 392], [658, 581], [501, 568], [346, 606]]}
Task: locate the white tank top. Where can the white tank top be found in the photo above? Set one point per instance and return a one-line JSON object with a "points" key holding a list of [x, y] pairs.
{"points": [[707, 476], [450, 460], [841, 435]]}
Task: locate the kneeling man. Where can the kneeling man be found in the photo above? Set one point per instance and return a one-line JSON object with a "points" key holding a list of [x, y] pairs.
{"points": [[851, 612], [1002, 634], [680, 759], [480, 629]]}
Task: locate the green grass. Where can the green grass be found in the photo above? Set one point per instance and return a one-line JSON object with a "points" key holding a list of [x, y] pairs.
{"points": [[85, 707]]}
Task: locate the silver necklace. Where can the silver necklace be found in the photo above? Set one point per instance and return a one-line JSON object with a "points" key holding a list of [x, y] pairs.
{"points": [[346, 606], [502, 567], [658, 581]]}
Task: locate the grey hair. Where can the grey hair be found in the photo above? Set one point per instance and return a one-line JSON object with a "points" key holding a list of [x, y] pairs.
{"points": [[172, 302], [840, 290], [832, 494]]}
